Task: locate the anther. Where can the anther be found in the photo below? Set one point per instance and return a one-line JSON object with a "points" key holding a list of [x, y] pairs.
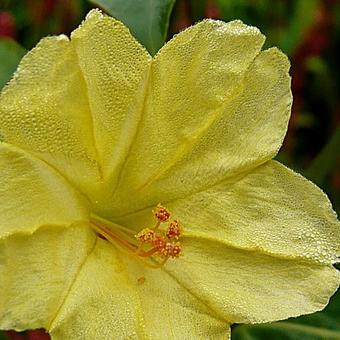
{"points": [[171, 250], [145, 236], [161, 213], [159, 243], [174, 230]]}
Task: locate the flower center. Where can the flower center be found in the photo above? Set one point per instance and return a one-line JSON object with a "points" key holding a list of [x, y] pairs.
{"points": [[153, 245]]}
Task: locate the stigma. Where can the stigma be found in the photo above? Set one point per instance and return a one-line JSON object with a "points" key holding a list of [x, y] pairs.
{"points": [[152, 245]]}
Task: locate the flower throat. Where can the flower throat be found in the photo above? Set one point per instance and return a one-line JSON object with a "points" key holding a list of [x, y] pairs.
{"points": [[153, 246]]}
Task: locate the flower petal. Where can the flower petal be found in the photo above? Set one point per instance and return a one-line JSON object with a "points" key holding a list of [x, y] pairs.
{"points": [[124, 299], [268, 236], [115, 68], [76, 103], [37, 271], [248, 286], [271, 209], [217, 107], [44, 110], [32, 194]]}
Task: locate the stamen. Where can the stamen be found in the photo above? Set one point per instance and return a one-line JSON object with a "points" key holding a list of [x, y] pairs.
{"points": [[161, 213], [172, 250], [112, 237], [152, 246], [174, 230], [145, 236], [159, 242]]}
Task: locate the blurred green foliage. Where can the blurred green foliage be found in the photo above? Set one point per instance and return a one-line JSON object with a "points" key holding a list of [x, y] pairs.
{"points": [[307, 30], [318, 326], [147, 20], [325, 161], [10, 55]]}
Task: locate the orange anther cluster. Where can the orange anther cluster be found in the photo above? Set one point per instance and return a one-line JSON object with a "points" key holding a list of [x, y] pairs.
{"points": [[171, 250], [162, 214], [161, 242], [145, 236], [174, 230], [152, 246]]}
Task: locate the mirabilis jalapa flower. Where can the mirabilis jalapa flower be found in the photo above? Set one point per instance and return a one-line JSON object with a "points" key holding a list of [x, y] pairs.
{"points": [[95, 134]]}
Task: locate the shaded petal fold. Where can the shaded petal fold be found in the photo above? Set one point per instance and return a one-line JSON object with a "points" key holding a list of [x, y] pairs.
{"points": [[32, 194], [124, 299], [37, 272], [115, 68], [245, 286], [217, 106], [44, 110], [272, 209], [76, 103]]}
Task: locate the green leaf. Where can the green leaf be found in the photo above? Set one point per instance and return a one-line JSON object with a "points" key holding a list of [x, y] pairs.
{"points": [[326, 160], [325, 81], [302, 18], [318, 326], [10, 55], [148, 20], [3, 336]]}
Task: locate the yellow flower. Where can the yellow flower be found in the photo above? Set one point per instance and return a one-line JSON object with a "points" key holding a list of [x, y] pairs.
{"points": [[96, 133]]}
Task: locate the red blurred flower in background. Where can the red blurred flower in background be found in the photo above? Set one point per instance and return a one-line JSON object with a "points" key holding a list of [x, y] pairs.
{"points": [[30, 335], [7, 25]]}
